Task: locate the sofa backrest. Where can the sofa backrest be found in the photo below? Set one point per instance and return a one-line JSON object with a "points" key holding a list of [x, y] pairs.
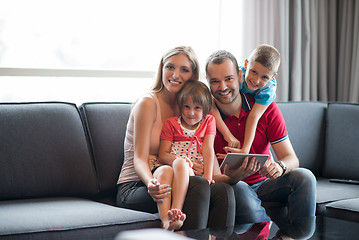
{"points": [[306, 129], [342, 148], [106, 124], [44, 151]]}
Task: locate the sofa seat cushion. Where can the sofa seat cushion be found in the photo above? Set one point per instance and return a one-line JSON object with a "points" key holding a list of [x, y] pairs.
{"points": [[58, 214], [345, 209], [330, 191]]}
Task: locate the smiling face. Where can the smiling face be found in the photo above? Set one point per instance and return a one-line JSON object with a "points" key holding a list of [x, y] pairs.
{"points": [[257, 76], [223, 81], [176, 71], [192, 113]]}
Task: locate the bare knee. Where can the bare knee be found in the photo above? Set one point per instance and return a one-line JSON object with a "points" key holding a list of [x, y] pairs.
{"points": [[179, 164], [164, 174]]}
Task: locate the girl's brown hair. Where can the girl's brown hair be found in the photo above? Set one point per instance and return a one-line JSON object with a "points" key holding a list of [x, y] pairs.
{"points": [[199, 93]]}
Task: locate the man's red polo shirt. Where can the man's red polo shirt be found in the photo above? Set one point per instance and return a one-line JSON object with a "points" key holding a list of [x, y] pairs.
{"points": [[271, 129]]}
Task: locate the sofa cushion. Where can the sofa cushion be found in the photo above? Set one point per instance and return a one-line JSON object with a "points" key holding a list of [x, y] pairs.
{"points": [[65, 214], [44, 151], [342, 152], [330, 191], [106, 124], [306, 129], [345, 209]]}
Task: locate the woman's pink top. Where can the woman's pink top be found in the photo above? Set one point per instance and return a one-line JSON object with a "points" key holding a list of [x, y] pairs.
{"points": [[128, 172]]}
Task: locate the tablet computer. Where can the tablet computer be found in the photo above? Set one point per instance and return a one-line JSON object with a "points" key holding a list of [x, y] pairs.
{"points": [[235, 160]]}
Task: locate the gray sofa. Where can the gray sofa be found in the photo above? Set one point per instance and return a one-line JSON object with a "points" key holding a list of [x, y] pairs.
{"points": [[59, 165], [58, 172], [325, 137]]}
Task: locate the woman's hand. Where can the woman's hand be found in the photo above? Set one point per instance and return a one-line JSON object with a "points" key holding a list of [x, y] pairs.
{"points": [[158, 191], [198, 168]]}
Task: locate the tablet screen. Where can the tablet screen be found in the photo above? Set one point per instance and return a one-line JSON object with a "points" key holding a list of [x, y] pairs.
{"points": [[235, 160]]}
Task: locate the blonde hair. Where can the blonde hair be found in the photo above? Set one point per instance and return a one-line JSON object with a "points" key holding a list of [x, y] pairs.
{"points": [[266, 55], [199, 93], [186, 50]]}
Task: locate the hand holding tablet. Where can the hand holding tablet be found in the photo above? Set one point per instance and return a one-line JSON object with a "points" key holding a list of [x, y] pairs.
{"points": [[235, 160]]}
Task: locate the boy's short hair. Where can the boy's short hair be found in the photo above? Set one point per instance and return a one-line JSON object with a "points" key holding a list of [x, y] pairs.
{"points": [[218, 57], [199, 93], [266, 55]]}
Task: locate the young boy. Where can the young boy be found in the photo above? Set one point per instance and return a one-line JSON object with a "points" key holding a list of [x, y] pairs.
{"points": [[258, 74]]}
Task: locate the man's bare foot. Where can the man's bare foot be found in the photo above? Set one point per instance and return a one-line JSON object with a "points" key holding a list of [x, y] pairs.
{"points": [[176, 218]]}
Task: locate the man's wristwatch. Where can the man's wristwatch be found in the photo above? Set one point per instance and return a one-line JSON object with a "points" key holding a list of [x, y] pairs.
{"points": [[283, 166]]}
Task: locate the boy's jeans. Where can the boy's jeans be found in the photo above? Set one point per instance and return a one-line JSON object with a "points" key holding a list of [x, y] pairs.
{"points": [[296, 189]]}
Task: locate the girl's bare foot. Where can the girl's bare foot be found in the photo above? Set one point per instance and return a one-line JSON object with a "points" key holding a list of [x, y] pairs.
{"points": [[176, 218], [165, 224]]}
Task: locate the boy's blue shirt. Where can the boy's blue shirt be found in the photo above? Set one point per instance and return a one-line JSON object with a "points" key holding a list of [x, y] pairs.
{"points": [[264, 95]]}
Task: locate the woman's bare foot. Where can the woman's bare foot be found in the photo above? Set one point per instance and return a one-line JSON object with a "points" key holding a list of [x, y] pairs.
{"points": [[176, 218]]}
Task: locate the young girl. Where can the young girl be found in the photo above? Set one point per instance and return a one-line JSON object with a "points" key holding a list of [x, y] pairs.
{"points": [[258, 74], [185, 139]]}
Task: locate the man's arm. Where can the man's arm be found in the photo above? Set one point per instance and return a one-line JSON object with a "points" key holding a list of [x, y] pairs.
{"points": [[285, 153]]}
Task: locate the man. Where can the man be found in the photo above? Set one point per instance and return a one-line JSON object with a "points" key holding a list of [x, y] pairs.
{"points": [[281, 181]]}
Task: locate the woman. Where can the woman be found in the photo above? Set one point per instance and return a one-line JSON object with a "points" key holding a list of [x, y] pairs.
{"points": [[141, 189]]}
